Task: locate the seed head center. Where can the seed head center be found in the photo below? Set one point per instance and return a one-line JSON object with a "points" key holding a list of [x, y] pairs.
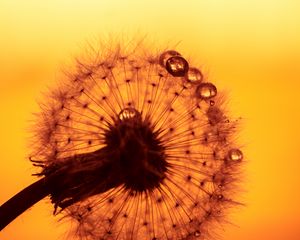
{"points": [[135, 149]]}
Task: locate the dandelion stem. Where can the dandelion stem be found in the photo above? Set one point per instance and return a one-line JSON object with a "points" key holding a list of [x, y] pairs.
{"points": [[23, 200]]}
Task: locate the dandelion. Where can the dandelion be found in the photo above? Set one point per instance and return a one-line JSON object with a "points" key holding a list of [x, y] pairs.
{"points": [[134, 145]]}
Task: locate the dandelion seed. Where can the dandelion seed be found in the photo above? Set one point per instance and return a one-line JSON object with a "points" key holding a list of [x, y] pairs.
{"points": [[127, 151]]}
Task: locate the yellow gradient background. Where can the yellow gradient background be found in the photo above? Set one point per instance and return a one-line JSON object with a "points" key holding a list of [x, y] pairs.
{"points": [[249, 48]]}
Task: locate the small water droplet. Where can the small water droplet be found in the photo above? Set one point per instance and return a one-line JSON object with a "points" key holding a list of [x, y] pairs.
{"points": [[211, 102], [129, 113], [177, 66], [197, 233], [166, 55], [194, 76], [235, 154], [206, 91]]}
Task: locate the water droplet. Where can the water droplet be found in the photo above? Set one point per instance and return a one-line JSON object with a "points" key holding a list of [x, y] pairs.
{"points": [[211, 102], [197, 233], [194, 76], [166, 55], [206, 91], [129, 113], [177, 66], [235, 154]]}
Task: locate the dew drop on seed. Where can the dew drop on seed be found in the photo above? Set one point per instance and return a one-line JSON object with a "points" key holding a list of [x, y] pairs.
{"points": [[129, 113], [235, 155], [197, 233], [177, 66], [206, 91], [194, 76], [166, 55]]}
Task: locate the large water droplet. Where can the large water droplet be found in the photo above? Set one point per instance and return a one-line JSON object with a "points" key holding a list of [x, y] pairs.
{"points": [[166, 55], [235, 154], [206, 91], [194, 76], [129, 113], [177, 66]]}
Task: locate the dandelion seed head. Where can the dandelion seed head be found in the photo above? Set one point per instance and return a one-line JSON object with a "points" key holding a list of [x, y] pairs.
{"points": [[138, 144]]}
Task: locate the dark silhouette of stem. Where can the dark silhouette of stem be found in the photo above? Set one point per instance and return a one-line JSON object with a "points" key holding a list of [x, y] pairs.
{"points": [[67, 183], [23, 200]]}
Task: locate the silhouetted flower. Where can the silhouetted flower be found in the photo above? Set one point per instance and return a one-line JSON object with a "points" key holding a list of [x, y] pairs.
{"points": [[139, 147]]}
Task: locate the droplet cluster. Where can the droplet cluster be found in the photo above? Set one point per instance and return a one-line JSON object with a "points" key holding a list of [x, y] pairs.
{"points": [[171, 120]]}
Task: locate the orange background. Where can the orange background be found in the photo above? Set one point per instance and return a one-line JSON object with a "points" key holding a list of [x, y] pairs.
{"points": [[249, 48]]}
